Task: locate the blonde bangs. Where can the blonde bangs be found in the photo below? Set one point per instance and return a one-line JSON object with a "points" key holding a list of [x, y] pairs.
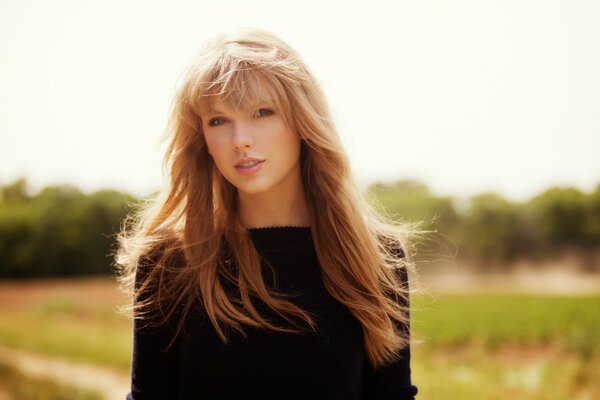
{"points": [[242, 86]]}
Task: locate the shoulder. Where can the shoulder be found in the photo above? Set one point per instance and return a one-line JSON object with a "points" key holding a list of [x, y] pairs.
{"points": [[161, 254], [392, 245], [397, 249], [396, 257]]}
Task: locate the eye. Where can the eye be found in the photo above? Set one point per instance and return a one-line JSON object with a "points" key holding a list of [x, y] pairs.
{"points": [[216, 121], [264, 112]]}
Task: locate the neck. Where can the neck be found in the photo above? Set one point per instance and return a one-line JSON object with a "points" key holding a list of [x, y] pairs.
{"points": [[284, 208]]}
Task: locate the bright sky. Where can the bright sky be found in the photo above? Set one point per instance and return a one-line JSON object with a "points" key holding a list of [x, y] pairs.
{"points": [[466, 96]]}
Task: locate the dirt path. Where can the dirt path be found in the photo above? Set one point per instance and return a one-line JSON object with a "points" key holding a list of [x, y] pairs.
{"points": [[110, 383], [559, 281]]}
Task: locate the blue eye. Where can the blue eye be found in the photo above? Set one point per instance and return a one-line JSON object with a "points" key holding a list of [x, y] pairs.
{"points": [[265, 112], [215, 122]]}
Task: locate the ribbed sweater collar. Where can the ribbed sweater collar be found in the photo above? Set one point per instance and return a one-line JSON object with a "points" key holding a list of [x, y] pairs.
{"points": [[281, 237]]}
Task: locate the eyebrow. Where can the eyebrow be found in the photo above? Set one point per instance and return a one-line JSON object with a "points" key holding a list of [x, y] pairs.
{"points": [[212, 112]]}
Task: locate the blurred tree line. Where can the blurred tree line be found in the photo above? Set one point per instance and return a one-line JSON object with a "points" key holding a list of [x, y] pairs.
{"points": [[494, 231], [61, 231], [58, 232]]}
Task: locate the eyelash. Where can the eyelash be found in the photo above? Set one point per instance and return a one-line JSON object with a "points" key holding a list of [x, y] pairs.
{"points": [[270, 112]]}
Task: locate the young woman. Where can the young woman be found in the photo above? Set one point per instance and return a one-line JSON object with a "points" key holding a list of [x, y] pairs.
{"points": [[261, 272]]}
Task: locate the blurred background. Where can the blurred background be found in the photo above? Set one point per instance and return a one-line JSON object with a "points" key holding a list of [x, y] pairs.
{"points": [[480, 118]]}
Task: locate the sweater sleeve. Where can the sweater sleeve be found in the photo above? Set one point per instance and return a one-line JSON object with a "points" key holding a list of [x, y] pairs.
{"points": [[392, 381], [154, 371]]}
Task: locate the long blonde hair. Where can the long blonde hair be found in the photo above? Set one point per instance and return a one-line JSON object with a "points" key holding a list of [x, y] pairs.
{"points": [[175, 240]]}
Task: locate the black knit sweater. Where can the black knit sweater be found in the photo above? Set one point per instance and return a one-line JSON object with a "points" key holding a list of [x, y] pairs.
{"points": [[268, 365]]}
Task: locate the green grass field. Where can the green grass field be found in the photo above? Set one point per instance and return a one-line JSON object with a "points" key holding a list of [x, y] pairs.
{"points": [[518, 319], [73, 319], [476, 346], [499, 346]]}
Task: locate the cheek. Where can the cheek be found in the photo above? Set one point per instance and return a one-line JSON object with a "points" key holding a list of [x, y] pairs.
{"points": [[291, 144], [213, 146], [284, 138], [218, 153]]}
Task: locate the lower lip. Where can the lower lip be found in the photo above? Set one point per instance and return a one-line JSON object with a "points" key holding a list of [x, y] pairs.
{"points": [[249, 170]]}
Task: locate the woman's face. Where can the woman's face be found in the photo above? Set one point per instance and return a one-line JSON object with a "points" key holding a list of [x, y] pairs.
{"points": [[261, 134]]}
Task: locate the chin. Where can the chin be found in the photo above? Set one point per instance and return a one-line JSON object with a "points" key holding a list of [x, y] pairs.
{"points": [[251, 191], [248, 187]]}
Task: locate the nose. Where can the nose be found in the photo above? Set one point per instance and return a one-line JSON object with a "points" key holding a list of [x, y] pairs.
{"points": [[242, 135]]}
